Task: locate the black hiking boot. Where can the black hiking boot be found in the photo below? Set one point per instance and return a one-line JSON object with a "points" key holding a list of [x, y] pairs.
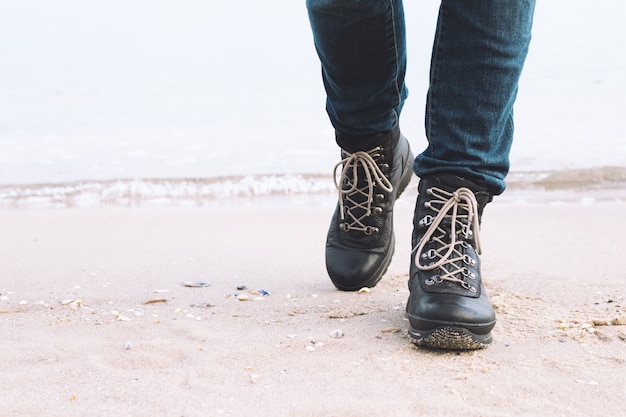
{"points": [[360, 241], [448, 307]]}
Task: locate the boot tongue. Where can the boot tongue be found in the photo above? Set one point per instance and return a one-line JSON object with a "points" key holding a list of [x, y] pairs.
{"points": [[451, 183]]}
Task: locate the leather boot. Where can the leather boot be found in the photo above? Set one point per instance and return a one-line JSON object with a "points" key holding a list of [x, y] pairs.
{"points": [[360, 241], [448, 307]]}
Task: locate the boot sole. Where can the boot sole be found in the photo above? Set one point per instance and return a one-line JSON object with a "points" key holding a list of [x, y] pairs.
{"points": [[450, 338]]}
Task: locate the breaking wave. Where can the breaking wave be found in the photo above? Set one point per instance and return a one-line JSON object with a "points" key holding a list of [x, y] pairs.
{"points": [[603, 183]]}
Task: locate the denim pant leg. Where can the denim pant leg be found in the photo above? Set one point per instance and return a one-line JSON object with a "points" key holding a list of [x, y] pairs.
{"points": [[479, 50], [361, 45]]}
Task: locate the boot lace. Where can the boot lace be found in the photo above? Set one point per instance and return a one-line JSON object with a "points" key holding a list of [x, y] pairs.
{"points": [[456, 222], [356, 194]]}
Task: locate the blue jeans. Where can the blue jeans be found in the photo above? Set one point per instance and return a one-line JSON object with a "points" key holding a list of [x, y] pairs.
{"points": [[478, 54]]}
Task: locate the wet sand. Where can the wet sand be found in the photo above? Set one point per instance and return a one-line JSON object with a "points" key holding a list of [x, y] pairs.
{"points": [[95, 319]]}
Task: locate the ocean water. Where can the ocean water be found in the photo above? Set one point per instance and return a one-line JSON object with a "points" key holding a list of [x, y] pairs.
{"points": [[135, 100]]}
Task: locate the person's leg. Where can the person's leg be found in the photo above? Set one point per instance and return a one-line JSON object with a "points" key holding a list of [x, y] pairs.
{"points": [[362, 49], [479, 50], [361, 46]]}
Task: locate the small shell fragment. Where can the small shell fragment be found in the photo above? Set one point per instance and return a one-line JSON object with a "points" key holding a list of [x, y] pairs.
{"points": [[241, 287], [196, 284], [619, 321], [160, 291], [365, 290], [128, 346], [137, 311], [391, 330], [336, 334], [260, 292], [204, 305], [72, 303]]}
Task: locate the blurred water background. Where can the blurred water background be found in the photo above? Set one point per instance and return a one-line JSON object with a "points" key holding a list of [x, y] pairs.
{"points": [[107, 99]]}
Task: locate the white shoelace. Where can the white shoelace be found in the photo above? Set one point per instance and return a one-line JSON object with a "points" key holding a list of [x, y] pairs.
{"points": [[351, 163], [450, 258]]}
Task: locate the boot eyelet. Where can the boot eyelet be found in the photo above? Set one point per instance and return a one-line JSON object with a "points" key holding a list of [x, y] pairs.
{"points": [[469, 260], [380, 198], [468, 287], [384, 167], [377, 211], [435, 279], [426, 220], [371, 230], [344, 227], [467, 273]]}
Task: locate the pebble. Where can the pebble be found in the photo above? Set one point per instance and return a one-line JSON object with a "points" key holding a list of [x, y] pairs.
{"points": [[310, 348], [128, 346]]}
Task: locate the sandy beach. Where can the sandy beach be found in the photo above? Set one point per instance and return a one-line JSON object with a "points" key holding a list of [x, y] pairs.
{"points": [[95, 318]]}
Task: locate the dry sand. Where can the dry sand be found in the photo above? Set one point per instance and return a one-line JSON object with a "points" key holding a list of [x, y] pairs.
{"points": [[78, 339]]}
